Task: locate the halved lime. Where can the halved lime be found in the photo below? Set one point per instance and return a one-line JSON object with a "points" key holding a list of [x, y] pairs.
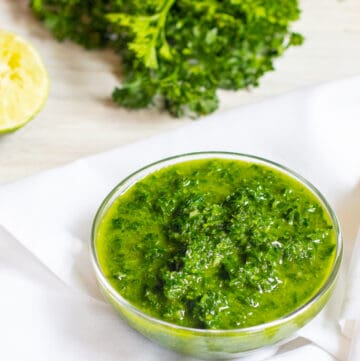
{"points": [[24, 83]]}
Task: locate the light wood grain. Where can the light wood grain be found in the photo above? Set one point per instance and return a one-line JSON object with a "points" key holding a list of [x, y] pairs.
{"points": [[79, 118]]}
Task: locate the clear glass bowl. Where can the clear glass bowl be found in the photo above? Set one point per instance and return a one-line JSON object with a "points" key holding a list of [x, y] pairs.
{"points": [[255, 342]]}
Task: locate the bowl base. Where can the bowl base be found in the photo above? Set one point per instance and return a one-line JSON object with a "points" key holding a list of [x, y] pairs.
{"points": [[254, 355]]}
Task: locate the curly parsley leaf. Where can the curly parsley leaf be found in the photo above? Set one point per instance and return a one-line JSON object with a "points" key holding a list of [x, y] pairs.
{"points": [[176, 54], [149, 33]]}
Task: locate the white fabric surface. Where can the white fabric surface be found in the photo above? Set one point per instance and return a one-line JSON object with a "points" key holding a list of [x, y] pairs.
{"points": [[50, 307]]}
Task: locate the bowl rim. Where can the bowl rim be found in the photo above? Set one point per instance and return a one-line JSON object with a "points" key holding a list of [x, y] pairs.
{"points": [[214, 154]]}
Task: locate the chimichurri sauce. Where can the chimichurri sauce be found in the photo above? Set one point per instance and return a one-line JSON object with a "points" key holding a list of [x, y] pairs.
{"points": [[216, 244]]}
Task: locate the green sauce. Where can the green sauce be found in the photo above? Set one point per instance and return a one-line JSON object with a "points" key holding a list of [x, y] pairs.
{"points": [[216, 244]]}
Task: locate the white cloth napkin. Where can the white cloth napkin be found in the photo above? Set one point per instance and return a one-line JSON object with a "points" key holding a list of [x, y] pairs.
{"points": [[50, 307]]}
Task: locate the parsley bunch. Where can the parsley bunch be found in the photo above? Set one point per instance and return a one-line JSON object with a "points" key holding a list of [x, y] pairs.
{"points": [[176, 53]]}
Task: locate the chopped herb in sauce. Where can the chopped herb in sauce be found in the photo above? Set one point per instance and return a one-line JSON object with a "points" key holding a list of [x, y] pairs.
{"points": [[216, 244]]}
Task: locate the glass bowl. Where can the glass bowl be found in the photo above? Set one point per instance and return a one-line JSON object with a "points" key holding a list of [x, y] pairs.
{"points": [[256, 342]]}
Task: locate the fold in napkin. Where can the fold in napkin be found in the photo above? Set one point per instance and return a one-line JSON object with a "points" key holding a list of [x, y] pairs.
{"points": [[50, 306]]}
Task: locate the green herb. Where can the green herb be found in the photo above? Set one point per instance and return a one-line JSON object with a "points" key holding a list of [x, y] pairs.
{"points": [[177, 53]]}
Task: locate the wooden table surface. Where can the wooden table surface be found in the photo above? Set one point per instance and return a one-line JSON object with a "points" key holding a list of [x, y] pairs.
{"points": [[79, 118]]}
